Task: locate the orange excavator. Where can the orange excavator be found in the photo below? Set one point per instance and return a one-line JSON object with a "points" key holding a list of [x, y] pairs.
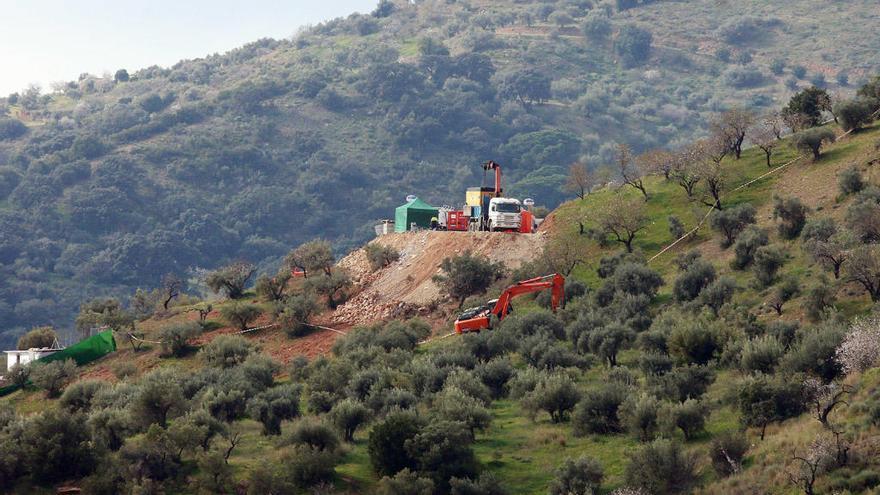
{"points": [[480, 318]]}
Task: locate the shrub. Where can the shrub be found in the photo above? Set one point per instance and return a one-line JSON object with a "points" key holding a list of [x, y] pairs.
{"points": [[381, 256], [690, 417], [596, 27], [312, 433], [486, 484], [863, 216], [175, 337], [694, 341], [652, 363], [633, 44], [19, 374], [768, 261], [819, 298], [123, 369], [495, 374], [717, 294], [606, 342], [727, 452], [855, 113], [682, 383], [640, 415], [598, 411], [405, 482], [306, 467], [581, 476], [792, 215], [761, 354], [227, 351], [815, 352], [661, 467], [557, 394], [39, 337], [273, 406], [57, 447], [11, 129], [850, 180], [296, 313], [453, 404], [732, 221], [746, 245], [812, 140], [747, 76], [387, 439], [695, 278], [315, 255], [240, 313], [78, 396], [349, 415], [53, 376], [676, 228], [442, 450]]}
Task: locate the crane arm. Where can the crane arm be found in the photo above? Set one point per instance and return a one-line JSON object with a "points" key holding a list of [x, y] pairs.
{"points": [[555, 282], [492, 165]]}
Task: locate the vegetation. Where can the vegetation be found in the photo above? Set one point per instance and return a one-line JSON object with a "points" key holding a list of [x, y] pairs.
{"points": [[660, 365]]}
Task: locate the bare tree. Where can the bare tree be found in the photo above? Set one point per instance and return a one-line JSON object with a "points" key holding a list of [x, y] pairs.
{"points": [[580, 180], [809, 466], [685, 170], [832, 253], [565, 252], [711, 172], [657, 161], [732, 126], [622, 219], [775, 123], [764, 137], [171, 287], [823, 398], [629, 169]]}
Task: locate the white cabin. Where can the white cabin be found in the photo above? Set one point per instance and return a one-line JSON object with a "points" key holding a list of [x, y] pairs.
{"points": [[26, 356]]}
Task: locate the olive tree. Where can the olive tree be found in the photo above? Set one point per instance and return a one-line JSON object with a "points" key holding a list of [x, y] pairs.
{"points": [[812, 140], [39, 337], [240, 313], [53, 376], [581, 476], [230, 279], [466, 275], [316, 255]]}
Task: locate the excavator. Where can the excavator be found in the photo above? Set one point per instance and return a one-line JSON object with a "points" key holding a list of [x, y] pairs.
{"points": [[480, 318]]}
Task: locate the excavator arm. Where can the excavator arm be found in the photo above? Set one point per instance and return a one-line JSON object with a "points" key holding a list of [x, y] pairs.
{"points": [[470, 322], [491, 165]]}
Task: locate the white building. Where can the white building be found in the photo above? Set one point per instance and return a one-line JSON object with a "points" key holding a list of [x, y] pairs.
{"points": [[26, 356]]}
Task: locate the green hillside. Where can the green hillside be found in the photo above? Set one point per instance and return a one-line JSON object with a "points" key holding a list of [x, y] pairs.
{"points": [[108, 184], [697, 380]]}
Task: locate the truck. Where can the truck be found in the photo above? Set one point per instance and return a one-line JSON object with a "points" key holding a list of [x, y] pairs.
{"points": [[490, 211]]}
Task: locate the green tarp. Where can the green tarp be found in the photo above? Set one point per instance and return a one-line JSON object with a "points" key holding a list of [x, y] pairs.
{"points": [[90, 349], [417, 212], [86, 351]]}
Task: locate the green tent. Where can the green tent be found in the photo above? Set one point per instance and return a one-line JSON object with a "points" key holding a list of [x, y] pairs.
{"points": [[86, 351], [417, 212]]}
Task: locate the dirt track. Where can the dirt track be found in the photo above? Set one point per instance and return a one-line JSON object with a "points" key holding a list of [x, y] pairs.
{"points": [[406, 285]]}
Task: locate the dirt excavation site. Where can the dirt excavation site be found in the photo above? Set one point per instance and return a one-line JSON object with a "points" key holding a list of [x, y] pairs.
{"points": [[405, 288]]}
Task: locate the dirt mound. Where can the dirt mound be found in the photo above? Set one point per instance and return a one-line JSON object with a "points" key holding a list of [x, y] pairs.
{"points": [[405, 287]]}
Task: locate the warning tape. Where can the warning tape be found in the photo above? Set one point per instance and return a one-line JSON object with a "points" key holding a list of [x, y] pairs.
{"points": [[426, 341], [743, 186]]}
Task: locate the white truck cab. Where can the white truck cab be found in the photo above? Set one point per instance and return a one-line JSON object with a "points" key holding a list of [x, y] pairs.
{"points": [[504, 213]]}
